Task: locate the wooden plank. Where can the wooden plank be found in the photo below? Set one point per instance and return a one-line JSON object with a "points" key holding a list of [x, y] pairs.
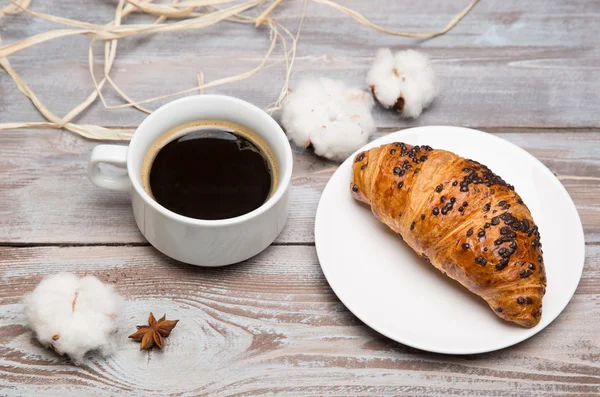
{"points": [[45, 196], [272, 326], [511, 63]]}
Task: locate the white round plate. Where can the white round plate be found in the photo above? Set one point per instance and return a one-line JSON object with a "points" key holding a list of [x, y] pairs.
{"points": [[387, 286]]}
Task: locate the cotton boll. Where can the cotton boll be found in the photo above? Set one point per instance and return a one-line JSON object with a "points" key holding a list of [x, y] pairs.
{"points": [[73, 315], [404, 81], [332, 117], [382, 80]]}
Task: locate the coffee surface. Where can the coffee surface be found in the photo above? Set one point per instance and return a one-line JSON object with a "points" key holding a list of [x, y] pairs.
{"points": [[212, 173]]}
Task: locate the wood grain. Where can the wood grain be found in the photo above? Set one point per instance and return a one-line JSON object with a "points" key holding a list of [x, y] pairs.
{"points": [[526, 71], [508, 63], [45, 196], [272, 326]]}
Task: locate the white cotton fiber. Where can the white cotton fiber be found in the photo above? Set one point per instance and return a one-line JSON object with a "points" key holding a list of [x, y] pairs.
{"points": [[72, 314], [404, 81], [334, 118]]}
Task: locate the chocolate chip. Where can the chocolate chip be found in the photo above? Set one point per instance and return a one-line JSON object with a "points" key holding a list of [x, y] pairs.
{"points": [[466, 246], [501, 203], [446, 208], [531, 266], [443, 199], [423, 158], [504, 230], [520, 300], [485, 249], [397, 170], [422, 216], [439, 188], [417, 170], [540, 259], [435, 211], [513, 246], [516, 225], [502, 264], [486, 225], [524, 273], [400, 214], [505, 216], [354, 188], [393, 151], [480, 260], [495, 221], [507, 238], [452, 200], [481, 234], [460, 209], [412, 226], [360, 157], [400, 184], [499, 310], [486, 207], [470, 232], [362, 167], [454, 183], [464, 189], [529, 300], [498, 241], [504, 252], [520, 201], [465, 204]]}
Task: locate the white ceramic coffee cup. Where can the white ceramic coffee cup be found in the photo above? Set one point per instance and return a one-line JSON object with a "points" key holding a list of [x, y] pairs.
{"points": [[189, 240]]}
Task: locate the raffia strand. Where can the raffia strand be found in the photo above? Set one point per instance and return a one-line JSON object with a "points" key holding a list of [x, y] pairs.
{"points": [[185, 15]]}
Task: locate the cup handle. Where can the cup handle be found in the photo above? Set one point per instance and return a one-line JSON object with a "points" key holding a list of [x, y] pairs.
{"points": [[113, 155]]}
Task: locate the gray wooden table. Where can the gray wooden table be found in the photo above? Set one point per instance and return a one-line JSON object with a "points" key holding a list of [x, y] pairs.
{"points": [[527, 71]]}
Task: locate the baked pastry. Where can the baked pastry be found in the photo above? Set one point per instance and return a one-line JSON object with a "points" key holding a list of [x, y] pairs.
{"points": [[462, 218]]}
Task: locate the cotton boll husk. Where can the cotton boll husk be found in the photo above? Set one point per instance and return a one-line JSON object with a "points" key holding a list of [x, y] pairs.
{"points": [[404, 81], [80, 312], [334, 118]]}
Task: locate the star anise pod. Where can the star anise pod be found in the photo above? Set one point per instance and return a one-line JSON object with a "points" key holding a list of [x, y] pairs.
{"points": [[153, 333]]}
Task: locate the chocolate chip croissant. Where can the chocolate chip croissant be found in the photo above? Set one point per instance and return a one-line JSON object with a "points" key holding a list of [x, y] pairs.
{"points": [[462, 218]]}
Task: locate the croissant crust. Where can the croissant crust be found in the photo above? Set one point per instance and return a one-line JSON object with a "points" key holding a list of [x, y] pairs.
{"points": [[460, 217]]}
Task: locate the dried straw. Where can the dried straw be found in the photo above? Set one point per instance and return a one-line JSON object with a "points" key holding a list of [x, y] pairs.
{"points": [[364, 21], [187, 15]]}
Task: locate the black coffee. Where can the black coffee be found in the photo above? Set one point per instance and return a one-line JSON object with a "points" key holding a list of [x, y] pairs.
{"points": [[212, 173]]}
